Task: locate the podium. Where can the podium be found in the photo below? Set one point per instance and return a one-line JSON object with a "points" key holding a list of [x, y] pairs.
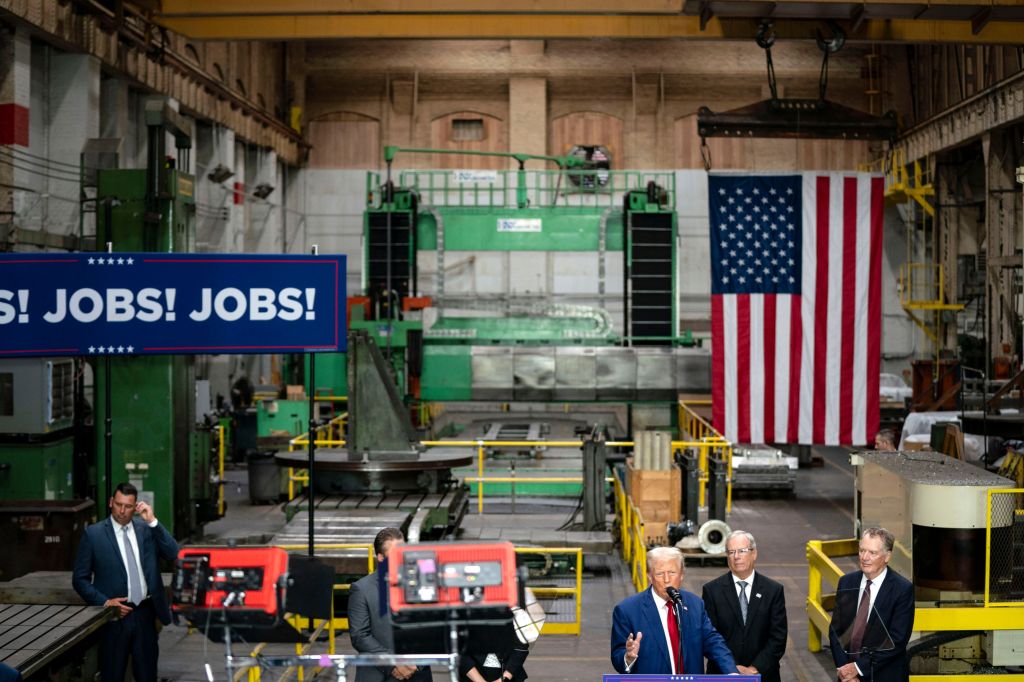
{"points": [[681, 678]]}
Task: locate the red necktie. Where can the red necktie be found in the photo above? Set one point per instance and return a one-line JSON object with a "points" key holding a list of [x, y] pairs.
{"points": [[673, 635], [860, 623]]}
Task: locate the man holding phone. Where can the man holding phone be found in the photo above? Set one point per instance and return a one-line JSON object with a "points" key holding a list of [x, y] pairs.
{"points": [[117, 566]]}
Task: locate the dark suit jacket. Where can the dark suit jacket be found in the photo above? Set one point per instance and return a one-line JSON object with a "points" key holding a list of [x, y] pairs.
{"points": [[371, 632], [639, 613], [762, 641], [510, 651], [99, 572], [894, 607]]}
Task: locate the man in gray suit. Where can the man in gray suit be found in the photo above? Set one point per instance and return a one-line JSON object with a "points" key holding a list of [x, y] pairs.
{"points": [[369, 617]]}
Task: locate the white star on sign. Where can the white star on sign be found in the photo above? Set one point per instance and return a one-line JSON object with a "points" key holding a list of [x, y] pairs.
{"points": [[131, 349], [102, 350], [92, 261], [120, 349], [110, 261], [130, 261], [120, 261], [92, 349]]}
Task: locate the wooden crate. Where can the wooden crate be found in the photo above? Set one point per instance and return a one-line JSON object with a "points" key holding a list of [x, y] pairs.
{"points": [[656, 533], [656, 494]]}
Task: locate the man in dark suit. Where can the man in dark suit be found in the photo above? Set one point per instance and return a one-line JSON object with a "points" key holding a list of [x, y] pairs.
{"points": [[117, 566], [873, 617], [749, 610], [369, 617], [649, 638]]}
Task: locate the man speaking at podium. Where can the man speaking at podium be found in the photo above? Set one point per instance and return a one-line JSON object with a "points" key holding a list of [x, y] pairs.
{"points": [[651, 637]]}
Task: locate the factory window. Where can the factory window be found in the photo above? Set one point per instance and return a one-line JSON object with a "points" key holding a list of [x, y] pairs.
{"points": [[240, 86], [219, 73], [192, 53], [6, 394], [467, 129]]}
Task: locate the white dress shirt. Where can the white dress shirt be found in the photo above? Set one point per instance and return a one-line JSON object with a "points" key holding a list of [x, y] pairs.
{"points": [[875, 585], [119, 532]]}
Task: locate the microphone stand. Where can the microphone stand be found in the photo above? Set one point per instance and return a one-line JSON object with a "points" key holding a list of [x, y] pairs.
{"points": [[677, 603]]}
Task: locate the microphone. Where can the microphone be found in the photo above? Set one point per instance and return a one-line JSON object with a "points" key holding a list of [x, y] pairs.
{"points": [[674, 595]]}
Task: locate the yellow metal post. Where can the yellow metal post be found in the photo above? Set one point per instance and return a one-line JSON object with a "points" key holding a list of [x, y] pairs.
{"points": [[220, 470], [480, 475]]}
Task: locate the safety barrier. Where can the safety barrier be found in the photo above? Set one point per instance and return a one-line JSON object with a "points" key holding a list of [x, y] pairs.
{"points": [[708, 443], [631, 535], [1003, 566], [710, 447]]}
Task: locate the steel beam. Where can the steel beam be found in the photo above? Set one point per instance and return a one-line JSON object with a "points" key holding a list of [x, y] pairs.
{"points": [[806, 9], [541, 26]]}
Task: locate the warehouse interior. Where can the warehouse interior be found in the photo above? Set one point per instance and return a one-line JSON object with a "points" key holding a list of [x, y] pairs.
{"points": [[535, 347]]}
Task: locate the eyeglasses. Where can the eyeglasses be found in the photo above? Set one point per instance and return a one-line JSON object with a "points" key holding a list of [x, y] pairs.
{"points": [[738, 552]]}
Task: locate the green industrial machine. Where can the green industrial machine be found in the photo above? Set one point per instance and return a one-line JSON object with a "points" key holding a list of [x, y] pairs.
{"points": [[529, 349], [156, 442], [36, 434]]}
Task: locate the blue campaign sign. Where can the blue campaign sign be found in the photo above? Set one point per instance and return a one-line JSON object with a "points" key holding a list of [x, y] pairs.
{"points": [[165, 304]]}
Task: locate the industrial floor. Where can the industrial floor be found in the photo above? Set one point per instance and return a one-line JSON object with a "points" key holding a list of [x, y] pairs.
{"points": [[821, 509]]}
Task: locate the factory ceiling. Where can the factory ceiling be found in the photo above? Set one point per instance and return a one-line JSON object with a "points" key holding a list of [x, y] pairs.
{"points": [[904, 21]]}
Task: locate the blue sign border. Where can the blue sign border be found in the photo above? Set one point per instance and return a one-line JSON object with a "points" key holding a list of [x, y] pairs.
{"points": [[166, 304]]}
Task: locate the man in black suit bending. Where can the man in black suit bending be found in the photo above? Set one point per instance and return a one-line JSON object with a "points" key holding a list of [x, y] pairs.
{"points": [[749, 610], [875, 605]]}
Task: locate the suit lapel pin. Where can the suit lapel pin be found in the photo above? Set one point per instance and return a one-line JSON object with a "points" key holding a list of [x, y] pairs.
{"points": [[758, 595]]}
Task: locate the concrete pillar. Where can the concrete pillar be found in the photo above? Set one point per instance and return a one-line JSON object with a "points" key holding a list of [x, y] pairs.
{"points": [[1000, 239], [74, 118], [528, 103], [15, 85]]}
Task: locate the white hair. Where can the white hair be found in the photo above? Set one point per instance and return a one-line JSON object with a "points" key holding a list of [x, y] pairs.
{"points": [[664, 553], [741, 533]]}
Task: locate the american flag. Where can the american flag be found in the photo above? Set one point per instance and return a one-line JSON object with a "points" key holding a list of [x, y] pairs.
{"points": [[796, 306]]}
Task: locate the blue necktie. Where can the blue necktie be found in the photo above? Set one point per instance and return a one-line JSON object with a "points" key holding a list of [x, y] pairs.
{"points": [[134, 583]]}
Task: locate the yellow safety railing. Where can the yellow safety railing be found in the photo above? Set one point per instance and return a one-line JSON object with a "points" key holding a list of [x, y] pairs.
{"points": [[576, 592], [710, 446], [923, 287], [1010, 501], [631, 535], [708, 442], [821, 567], [220, 470]]}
